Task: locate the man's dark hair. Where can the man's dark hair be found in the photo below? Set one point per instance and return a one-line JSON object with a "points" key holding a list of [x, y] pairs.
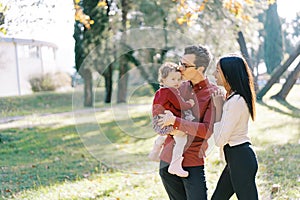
{"points": [[202, 54]]}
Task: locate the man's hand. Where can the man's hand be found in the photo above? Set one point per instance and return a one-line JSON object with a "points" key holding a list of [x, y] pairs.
{"points": [[166, 119]]}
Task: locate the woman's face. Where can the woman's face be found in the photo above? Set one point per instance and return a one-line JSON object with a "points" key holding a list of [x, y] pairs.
{"points": [[219, 76]]}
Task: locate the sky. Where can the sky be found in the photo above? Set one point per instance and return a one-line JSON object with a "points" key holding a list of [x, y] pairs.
{"points": [[288, 8], [60, 31]]}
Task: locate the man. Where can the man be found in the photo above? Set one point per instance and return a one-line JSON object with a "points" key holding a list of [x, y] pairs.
{"points": [[194, 62]]}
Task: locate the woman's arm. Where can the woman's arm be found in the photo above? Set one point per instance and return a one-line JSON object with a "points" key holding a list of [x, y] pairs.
{"points": [[218, 100], [232, 111]]}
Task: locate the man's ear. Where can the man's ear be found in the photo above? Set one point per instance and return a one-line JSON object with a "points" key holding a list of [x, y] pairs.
{"points": [[201, 69]]}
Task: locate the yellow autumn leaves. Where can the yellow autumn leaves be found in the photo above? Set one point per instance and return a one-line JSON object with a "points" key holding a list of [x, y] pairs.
{"points": [[189, 12], [82, 17]]}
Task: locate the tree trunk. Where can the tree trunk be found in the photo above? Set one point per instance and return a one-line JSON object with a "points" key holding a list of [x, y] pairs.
{"points": [[108, 83], [123, 64], [243, 48], [277, 73], [88, 87], [123, 80], [290, 81]]}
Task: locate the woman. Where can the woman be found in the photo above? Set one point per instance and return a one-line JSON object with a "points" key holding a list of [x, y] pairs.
{"points": [[231, 128]]}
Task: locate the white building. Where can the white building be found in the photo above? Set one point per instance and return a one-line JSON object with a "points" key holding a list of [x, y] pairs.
{"points": [[21, 59]]}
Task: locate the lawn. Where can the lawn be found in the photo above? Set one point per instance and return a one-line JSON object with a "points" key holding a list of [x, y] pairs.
{"points": [[102, 153]]}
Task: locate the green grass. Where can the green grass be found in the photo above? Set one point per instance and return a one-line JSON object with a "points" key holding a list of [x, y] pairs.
{"points": [[35, 157], [102, 154], [45, 102], [53, 102]]}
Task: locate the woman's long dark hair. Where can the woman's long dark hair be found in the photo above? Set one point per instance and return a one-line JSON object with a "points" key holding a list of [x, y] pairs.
{"points": [[238, 75]]}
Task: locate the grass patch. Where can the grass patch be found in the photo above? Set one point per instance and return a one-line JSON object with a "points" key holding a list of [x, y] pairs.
{"points": [[31, 158], [54, 102], [102, 155], [280, 164], [44, 102]]}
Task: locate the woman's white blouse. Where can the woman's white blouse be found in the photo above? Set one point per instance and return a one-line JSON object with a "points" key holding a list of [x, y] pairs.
{"points": [[233, 127]]}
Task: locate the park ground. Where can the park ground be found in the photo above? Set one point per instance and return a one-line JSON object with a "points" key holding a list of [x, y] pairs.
{"points": [[49, 150]]}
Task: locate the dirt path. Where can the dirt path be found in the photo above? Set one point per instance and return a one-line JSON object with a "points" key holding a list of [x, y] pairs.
{"points": [[63, 118]]}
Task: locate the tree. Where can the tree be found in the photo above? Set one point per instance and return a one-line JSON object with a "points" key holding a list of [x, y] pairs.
{"points": [[287, 86], [23, 17], [277, 73], [91, 23], [154, 14], [273, 45], [2, 17], [123, 63], [210, 16]]}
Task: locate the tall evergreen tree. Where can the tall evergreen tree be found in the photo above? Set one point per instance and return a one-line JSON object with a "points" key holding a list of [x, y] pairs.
{"points": [[273, 45]]}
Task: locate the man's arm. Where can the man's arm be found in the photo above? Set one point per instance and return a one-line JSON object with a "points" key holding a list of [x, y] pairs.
{"points": [[202, 129], [177, 101], [199, 129]]}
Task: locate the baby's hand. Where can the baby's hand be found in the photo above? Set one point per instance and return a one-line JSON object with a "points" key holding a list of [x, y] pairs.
{"points": [[191, 101]]}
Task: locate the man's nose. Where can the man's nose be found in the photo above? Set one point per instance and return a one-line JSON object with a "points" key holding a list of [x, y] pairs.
{"points": [[180, 68]]}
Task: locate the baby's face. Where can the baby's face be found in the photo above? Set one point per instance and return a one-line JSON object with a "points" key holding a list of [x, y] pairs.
{"points": [[172, 80]]}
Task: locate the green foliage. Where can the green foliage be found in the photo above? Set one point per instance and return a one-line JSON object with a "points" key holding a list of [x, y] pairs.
{"points": [[88, 39], [153, 12]]}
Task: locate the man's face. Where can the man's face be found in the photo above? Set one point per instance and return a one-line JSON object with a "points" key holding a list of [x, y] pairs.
{"points": [[187, 66]]}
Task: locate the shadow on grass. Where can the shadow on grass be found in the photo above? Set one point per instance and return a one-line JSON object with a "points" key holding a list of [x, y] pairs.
{"points": [[120, 145], [294, 111], [37, 157]]}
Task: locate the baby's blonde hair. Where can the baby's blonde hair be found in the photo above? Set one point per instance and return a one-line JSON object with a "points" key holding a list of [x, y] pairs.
{"points": [[165, 69]]}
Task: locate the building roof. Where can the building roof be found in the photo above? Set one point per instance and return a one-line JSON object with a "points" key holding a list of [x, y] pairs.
{"points": [[28, 42]]}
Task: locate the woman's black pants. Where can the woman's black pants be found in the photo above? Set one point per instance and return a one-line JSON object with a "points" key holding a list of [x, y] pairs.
{"points": [[238, 175]]}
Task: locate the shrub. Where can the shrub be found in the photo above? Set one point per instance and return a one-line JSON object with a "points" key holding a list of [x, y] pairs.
{"points": [[61, 79], [49, 82], [42, 83]]}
